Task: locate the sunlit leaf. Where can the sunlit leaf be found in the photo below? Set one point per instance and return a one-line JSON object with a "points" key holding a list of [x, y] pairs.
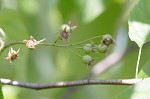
{"points": [[139, 23], [138, 91]]}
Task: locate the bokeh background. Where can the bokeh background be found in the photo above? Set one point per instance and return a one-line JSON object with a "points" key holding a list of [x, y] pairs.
{"points": [[42, 19]]}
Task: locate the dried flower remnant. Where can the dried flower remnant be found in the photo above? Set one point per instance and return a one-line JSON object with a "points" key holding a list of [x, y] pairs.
{"points": [[66, 30], [108, 39], [32, 42], [12, 55]]}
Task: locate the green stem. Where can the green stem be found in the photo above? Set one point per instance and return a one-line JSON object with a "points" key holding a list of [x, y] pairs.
{"points": [[138, 62], [77, 47], [78, 43], [74, 52], [52, 35], [56, 41], [44, 44], [56, 45], [11, 44]]}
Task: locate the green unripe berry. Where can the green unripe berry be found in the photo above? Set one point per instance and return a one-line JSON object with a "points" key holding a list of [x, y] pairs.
{"points": [[87, 59], [95, 48], [102, 48], [88, 48], [108, 39]]}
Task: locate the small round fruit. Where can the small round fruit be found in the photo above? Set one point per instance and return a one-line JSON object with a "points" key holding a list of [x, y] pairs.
{"points": [[87, 59], [88, 48], [95, 48], [102, 48], [108, 39]]}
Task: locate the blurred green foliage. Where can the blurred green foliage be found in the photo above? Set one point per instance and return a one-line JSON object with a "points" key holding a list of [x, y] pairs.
{"points": [[42, 18], [1, 95]]}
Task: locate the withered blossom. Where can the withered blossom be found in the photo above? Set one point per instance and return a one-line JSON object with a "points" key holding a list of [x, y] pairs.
{"points": [[12, 55], [32, 43]]}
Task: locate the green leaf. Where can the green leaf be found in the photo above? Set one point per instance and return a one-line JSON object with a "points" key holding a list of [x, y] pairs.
{"points": [[1, 95], [139, 23], [138, 91], [144, 72]]}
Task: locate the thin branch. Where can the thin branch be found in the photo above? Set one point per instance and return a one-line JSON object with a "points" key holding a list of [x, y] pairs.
{"points": [[11, 44], [138, 62], [78, 43], [37, 86], [74, 52], [55, 45]]}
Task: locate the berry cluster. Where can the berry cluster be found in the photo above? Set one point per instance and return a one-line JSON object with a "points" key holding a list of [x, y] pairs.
{"points": [[64, 34], [106, 41]]}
